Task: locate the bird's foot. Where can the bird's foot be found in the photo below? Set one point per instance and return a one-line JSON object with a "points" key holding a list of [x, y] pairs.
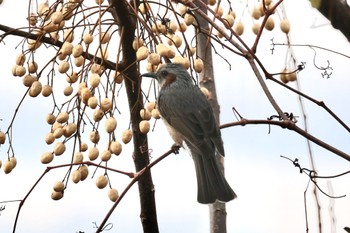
{"points": [[175, 148]]}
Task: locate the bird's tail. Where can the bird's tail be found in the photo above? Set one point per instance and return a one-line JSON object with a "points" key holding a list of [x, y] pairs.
{"points": [[211, 182]]}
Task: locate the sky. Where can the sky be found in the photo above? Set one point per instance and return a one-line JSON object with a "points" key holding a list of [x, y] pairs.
{"points": [[270, 189]]}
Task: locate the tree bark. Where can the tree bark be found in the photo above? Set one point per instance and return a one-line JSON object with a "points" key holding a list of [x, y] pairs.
{"points": [[217, 210], [127, 24], [338, 13]]}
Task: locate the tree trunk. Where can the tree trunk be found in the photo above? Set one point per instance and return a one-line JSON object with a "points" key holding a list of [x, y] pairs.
{"points": [[217, 210], [127, 24]]}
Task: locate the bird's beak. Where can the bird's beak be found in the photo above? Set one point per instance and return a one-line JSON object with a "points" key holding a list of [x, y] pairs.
{"points": [[149, 75]]}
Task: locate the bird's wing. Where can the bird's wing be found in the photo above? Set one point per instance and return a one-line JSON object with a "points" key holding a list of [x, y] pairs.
{"points": [[194, 119]]}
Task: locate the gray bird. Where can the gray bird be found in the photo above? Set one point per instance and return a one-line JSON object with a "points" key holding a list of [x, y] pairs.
{"points": [[191, 123]]}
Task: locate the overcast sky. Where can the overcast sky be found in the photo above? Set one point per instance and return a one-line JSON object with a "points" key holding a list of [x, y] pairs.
{"points": [[270, 189]]}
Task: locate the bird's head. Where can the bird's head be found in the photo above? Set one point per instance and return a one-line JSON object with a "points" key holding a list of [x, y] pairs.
{"points": [[170, 73]]}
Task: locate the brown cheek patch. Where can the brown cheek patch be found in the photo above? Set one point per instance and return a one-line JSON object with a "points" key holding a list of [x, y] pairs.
{"points": [[169, 79]]}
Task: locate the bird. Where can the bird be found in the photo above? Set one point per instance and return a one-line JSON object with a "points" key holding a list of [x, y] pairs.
{"points": [[190, 121]]}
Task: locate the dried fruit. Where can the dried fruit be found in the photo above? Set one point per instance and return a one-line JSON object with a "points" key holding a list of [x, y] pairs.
{"points": [[70, 129], [256, 13], [20, 71], [105, 155], [126, 136], [256, 28], [58, 132], [270, 24], [106, 104], [115, 147], [83, 147], [28, 80], [95, 80], [13, 160], [142, 53], [95, 137], [151, 105], [68, 35], [20, 59], [189, 19], [92, 102], [49, 138], [137, 43], [32, 67], [78, 157], [58, 186], [76, 176], [144, 126], [145, 114], [105, 37], [46, 157], [101, 181], [35, 89], [88, 38], [84, 172], [50, 118], [93, 153], [205, 91], [77, 50], [62, 117], [239, 28], [46, 90], [98, 114], [113, 194], [59, 148], [285, 25], [8, 166], [230, 19], [110, 124], [2, 137], [57, 17], [63, 67], [198, 65], [56, 195], [155, 113], [68, 90], [153, 58]]}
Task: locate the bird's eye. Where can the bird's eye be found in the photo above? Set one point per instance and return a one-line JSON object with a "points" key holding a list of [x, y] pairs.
{"points": [[164, 73]]}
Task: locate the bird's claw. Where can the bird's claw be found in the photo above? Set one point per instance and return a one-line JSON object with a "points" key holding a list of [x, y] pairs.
{"points": [[175, 148]]}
